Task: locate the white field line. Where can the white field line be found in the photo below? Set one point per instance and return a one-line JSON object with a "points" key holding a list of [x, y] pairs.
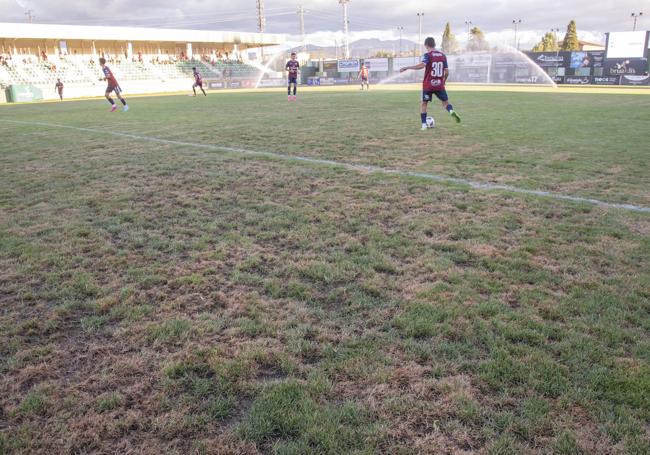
{"points": [[352, 167]]}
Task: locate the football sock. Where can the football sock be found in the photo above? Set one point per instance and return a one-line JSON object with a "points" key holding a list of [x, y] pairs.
{"points": [[424, 118], [289, 90], [123, 101], [450, 108], [194, 90], [294, 90], [110, 100]]}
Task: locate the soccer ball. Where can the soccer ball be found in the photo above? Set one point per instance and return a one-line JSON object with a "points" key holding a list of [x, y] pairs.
{"points": [[431, 122]]}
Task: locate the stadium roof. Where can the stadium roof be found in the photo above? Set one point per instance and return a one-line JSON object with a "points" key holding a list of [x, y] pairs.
{"points": [[92, 33]]}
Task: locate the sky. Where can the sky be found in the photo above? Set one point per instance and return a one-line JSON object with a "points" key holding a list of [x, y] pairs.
{"points": [[368, 18]]}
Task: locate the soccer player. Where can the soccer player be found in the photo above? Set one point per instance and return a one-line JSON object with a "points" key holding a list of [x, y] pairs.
{"points": [[58, 87], [113, 86], [292, 68], [198, 82], [435, 76], [363, 75]]}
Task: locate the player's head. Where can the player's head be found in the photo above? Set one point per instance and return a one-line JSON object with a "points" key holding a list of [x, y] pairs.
{"points": [[102, 61], [58, 80], [293, 56], [194, 69], [430, 43]]}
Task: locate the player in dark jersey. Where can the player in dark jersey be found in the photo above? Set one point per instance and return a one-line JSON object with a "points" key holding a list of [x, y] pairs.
{"points": [[435, 76], [198, 82], [292, 68], [364, 74], [113, 86], [58, 87]]}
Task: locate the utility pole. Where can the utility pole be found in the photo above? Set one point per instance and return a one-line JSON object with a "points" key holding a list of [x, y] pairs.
{"points": [[636, 16], [400, 29], [30, 16], [469, 36], [516, 22], [346, 41], [301, 21], [420, 16]]}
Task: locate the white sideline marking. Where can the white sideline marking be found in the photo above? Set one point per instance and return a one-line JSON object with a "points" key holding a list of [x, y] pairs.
{"points": [[353, 167]]}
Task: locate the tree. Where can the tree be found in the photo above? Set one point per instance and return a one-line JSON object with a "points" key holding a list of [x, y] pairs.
{"points": [[449, 43], [547, 44], [571, 42], [477, 41], [383, 54]]}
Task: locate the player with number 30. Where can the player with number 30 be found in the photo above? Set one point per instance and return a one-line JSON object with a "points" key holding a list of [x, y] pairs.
{"points": [[435, 77]]}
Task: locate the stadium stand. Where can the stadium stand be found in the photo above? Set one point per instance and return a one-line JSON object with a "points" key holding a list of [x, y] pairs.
{"points": [[143, 60]]}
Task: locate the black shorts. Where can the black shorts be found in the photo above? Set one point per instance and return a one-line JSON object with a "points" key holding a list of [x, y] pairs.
{"points": [[113, 88], [198, 84], [440, 94], [364, 79], [293, 80]]}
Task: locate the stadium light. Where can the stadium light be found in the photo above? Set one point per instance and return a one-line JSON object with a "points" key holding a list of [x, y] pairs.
{"points": [[346, 22], [469, 25], [555, 31], [400, 29], [635, 16], [516, 22], [301, 26], [261, 19], [420, 16]]}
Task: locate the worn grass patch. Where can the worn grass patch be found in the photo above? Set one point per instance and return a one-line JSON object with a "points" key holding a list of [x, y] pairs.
{"points": [[165, 299]]}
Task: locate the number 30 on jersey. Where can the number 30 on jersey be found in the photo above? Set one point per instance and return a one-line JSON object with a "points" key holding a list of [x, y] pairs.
{"points": [[437, 69]]}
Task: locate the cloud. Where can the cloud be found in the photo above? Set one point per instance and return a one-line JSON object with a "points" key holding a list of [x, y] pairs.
{"points": [[323, 20]]}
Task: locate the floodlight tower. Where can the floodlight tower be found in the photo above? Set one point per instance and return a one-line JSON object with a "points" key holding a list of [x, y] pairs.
{"points": [[261, 20], [635, 16], [469, 33], [346, 41], [420, 16], [516, 22], [301, 22], [400, 29]]}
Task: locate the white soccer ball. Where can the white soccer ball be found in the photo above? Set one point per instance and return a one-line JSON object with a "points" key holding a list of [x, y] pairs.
{"points": [[431, 122]]}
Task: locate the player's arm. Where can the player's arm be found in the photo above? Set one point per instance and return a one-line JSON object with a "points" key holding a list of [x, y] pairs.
{"points": [[419, 66], [445, 71]]}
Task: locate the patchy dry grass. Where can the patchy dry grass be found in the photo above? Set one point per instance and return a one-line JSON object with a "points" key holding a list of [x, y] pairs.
{"points": [[164, 299]]}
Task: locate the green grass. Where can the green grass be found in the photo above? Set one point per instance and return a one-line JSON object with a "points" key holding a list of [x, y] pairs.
{"points": [[171, 299]]}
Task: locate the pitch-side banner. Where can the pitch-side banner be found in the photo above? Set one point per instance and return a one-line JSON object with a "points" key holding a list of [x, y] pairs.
{"points": [[623, 66], [550, 59], [401, 62], [577, 80], [377, 64], [635, 80], [606, 80], [348, 66]]}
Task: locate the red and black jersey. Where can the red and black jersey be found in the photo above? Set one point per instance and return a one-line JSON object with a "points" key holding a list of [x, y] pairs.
{"points": [[434, 74], [292, 67], [110, 78]]}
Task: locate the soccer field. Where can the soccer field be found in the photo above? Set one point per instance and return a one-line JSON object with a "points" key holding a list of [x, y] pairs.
{"points": [[239, 274]]}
